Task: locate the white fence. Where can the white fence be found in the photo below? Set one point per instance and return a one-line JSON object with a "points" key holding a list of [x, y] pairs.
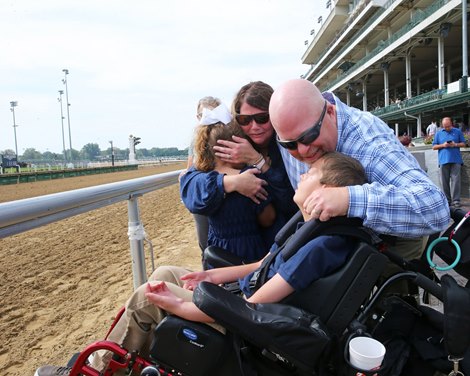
{"points": [[22, 215]]}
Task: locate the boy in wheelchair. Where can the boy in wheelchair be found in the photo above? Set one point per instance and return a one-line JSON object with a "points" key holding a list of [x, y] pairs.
{"points": [[171, 291]]}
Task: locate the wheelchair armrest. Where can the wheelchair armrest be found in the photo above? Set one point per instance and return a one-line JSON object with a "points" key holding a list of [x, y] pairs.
{"points": [[283, 329], [218, 257]]}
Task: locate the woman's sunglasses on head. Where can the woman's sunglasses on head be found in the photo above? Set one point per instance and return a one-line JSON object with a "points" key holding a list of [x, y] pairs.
{"points": [[260, 118], [307, 137]]}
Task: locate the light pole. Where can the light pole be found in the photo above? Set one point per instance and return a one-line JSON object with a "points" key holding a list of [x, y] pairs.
{"points": [[66, 72], [61, 92], [13, 104], [112, 153]]}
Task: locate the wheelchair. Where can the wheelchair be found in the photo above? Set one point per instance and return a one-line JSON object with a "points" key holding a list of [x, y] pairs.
{"points": [[308, 333]]}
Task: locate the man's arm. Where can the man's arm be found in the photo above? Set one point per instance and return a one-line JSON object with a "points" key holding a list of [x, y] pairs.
{"points": [[401, 200]]}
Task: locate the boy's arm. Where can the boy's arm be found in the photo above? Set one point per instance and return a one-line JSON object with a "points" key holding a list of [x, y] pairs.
{"points": [[160, 295], [232, 273], [272, 291], [218, 275]]}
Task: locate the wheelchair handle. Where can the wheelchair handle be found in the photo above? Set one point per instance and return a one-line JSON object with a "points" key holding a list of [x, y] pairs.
{"points": [[429, 286]]}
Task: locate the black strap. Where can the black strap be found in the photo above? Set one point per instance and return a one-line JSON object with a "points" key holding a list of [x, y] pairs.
{"points": [[335, 226], [456, 317], [288, 229], [309, 230], [263, 270]]}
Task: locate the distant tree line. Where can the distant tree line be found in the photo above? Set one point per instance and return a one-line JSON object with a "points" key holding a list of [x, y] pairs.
{"points": [[92, 152]]}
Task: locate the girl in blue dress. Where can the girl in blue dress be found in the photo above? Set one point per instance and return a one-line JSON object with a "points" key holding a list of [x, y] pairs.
{"points": [[236, 222]]}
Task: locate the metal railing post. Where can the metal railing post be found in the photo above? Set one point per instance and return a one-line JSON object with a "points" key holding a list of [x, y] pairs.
{"points": [[136, 235]]}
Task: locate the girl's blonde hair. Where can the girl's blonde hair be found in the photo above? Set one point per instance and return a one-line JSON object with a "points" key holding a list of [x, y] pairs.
{"points": [[205, 139], [207, 102]]}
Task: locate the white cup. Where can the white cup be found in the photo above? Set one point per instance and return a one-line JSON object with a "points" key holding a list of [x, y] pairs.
{"points": [[366, 353]]}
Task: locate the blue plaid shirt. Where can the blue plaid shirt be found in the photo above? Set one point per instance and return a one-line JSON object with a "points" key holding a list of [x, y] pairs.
{"points": [[400, 199]]}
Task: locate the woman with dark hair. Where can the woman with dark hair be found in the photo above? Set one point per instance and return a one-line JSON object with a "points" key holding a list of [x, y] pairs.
{"points": [[203, 192]]}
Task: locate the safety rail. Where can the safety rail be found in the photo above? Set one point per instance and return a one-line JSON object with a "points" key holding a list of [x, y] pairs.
{"points": [[26, 214]]}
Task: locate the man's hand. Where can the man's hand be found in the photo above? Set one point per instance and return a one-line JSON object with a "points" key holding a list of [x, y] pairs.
{"points": [[327, 202], [239, 151], [247, 184]]}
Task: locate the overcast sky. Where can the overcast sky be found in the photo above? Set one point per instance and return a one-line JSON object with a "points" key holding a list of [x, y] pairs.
{"points": [[138, 67]]}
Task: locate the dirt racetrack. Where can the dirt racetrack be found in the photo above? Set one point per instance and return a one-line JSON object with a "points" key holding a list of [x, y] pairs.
{"points": [[62, 284]]}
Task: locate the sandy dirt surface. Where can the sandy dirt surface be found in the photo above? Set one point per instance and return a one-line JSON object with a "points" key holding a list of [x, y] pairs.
{"points": [[62, 284]]}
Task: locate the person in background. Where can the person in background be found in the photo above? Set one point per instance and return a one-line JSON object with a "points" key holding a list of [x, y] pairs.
{"points": [[432, 128], [399, 199], [200, 221], [258, 148], [170, 289], [448, 142], [405, 140]]}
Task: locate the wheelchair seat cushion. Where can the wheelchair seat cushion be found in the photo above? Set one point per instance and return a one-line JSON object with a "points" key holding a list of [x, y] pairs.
{"points": [[290, 332]]}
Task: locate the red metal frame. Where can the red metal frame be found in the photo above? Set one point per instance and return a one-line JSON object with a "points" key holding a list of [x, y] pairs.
{"points": [[126, 359]]}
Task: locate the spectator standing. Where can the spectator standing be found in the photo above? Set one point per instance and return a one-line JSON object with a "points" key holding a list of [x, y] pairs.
{"points": [[448, 142], [432, 128]]}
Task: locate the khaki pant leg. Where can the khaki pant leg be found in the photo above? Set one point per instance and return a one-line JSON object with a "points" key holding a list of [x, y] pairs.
{"points": [[133, 329], [170, 274], [408, 249]]}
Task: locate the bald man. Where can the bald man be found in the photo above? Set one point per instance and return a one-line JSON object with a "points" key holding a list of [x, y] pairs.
{"points": [[399, 200]]}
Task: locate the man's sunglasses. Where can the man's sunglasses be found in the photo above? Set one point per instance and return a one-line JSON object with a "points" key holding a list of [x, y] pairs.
{"points": [[260, 118], [307, 137]]}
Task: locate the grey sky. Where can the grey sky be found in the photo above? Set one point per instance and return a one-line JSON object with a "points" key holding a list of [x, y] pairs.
{"points": [[138, 67]]}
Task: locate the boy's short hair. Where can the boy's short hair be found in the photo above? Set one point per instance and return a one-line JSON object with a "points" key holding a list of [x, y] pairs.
{"points": [[340, 170]]}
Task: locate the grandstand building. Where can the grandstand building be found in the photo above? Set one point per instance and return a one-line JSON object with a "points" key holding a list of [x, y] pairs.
{"points": [[406, 61]]}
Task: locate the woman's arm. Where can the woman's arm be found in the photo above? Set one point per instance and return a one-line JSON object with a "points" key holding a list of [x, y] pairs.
{"points": [[279, 186], [239, 151], [247, 184]]}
